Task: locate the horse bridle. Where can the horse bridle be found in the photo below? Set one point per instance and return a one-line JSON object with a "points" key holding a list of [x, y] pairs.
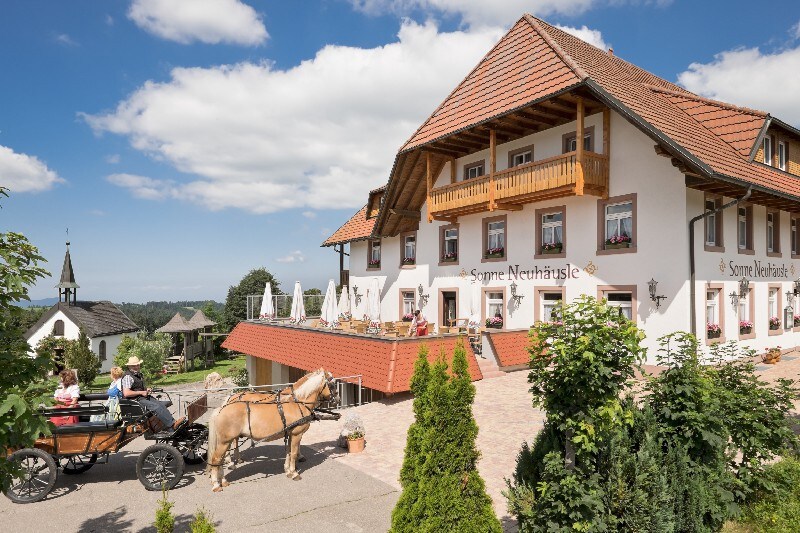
{"points": [[332, 388]]}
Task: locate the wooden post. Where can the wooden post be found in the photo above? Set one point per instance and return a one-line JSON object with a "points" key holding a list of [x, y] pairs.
{"points": [[492, 166], [607, 146], [428, 180], [579, 150], [452, 170]]}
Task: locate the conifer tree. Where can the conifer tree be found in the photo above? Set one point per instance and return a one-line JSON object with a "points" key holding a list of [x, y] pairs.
{"points": [[453, 493], [403, 518]]}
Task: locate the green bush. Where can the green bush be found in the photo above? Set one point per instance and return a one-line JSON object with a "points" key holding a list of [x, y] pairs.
{"points": [[79, 356], [776, 510], [152, 351], [202, 523], [239, 376], [165, 520]]}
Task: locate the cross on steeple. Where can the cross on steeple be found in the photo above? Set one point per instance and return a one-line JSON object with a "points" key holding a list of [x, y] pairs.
{"points": [[67, 285]]}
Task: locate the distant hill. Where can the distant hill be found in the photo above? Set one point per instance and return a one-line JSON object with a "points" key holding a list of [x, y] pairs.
{"points": [[44, 302], [153, 315]]}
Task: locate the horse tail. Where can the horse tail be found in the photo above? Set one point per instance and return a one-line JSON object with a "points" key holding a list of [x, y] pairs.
{"points": [[212, 437]]}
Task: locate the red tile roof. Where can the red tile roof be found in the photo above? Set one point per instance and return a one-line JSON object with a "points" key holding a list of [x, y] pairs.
{"points": [[358, 228], [510, 347], [535, 61], [385, 364]]}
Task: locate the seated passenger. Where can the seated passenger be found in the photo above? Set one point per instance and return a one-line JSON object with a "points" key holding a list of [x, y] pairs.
{"points": [[66, 395], [114, 394], [133, 388]]}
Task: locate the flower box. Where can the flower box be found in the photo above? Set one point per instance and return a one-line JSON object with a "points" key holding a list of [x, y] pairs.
{"points": [[796, 320], [494, 253], [494, 322], [550, 249], [745, 331], [713, 334], [614, 246], [409, 261], [374, 265], [449, 258], [774, 323]]}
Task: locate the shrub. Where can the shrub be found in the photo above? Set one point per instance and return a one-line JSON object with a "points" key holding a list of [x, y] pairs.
{"points": [[239, 376], [152, 351], [202, 523], [165, 520], [79, 356], [776, 510]]}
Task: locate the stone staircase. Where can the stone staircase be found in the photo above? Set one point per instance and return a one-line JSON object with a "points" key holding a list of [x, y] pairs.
{"points": [[489, 368]]}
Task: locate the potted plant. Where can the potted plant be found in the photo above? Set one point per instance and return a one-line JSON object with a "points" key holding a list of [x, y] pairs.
{"points": [[772, 355], [409, 260], [745, 327], [449, 257], [494, 322], [618, 241], [713, 331], [374, 263], [492, 253], [796, 321], [353, 432], [408, 317], [552, 248], [774, 323]]}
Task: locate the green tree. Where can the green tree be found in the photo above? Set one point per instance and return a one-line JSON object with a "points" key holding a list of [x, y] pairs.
{"points": [[165, 520], [78, 355], [203, 522], [236, 302], [22, 383], [152, 352], [403, 517]]}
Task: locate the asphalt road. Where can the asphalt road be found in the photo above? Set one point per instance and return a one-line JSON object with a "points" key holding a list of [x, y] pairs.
{"points": [[330, 496]]}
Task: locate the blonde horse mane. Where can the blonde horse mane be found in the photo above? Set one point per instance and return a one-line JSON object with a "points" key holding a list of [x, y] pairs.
{"points": [[312, 384]]}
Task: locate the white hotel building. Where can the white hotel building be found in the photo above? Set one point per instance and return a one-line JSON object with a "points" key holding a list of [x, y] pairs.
{"points": [[497, 167]]}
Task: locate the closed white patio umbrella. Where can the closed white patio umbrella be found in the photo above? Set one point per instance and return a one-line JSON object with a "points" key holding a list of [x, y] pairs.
{"points": [[374, 305], [344, 304], [328, 317], [298, 314], [475, 306], [267, 309]]}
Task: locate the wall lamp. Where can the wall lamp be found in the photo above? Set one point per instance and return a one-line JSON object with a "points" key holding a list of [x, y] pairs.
{"points": [[654, 296], [356, 296], [744, 285], [422, 296], [797, 286], [514, 296], [790, 297]]}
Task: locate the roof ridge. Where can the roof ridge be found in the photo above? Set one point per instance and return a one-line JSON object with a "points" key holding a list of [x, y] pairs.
{"points": [[565, 57], [718, 103]]}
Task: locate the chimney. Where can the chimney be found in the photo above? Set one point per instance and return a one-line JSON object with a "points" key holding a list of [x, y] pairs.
{"points": [[611, 52]]}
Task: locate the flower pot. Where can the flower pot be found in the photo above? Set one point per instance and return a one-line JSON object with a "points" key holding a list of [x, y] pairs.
{"points": [[552, 251], [617, 245], [713, 334], [773, 327], [496, 326], [745, 331], [355, 445], [771, 357]]}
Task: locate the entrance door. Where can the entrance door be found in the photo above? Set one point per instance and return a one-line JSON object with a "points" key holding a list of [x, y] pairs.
{"points": [[449, 309]]}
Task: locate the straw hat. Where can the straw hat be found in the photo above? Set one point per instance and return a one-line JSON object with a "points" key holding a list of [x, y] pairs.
{"points": [[133, 361]]}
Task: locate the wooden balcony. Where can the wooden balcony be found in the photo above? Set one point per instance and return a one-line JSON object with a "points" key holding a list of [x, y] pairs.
{"points": [[563, 175]]}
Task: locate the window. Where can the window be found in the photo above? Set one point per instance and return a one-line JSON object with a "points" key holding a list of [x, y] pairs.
{"points": [[773, 233], [745, 314], [520, 156], [409, 302], [770, 232], [715, 311], [409, 254], [588, 140], [494, 238], [550, 302], [793, 236], [744, 229], [551, 237], [616, 225], [552, 230], [58, 328], [711, 223], [494, 304], [712, 310], [775, 311], [782, 155], [768, 151], [623, 301], [772, 303], [473, 170], [374, 255], [102, 350], [448, 244]]}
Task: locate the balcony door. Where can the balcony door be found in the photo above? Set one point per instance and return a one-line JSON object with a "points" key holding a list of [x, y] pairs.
{"points": [[449, 308]]}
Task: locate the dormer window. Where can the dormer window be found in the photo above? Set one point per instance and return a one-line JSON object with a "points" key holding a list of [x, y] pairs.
{"points": [[768, 151], [782, 155]]}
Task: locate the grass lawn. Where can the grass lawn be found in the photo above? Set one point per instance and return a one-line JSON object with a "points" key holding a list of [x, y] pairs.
{"points": [[193, 376]]}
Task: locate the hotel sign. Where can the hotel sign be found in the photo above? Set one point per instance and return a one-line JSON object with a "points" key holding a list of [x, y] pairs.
{"points": [[756, 269], [514, 273]]}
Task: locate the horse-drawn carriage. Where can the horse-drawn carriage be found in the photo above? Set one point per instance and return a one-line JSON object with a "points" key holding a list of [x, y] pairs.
{"points": [[75, 448]]}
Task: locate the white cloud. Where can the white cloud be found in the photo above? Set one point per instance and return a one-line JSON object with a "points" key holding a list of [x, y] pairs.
{"points": [[112, 159], [309, 214], [25, 173], [748, 77], [477, 13], [317, 136], [796, 30], [144, 187], [593, 37], [65, 40], [109, 20], [97, 212], [207, 21], [294, 257]]}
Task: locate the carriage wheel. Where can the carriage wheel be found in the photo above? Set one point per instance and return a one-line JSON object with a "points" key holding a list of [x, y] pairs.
{"points": [[78, 464], [197, 453], [36, 478], [160, 466]]}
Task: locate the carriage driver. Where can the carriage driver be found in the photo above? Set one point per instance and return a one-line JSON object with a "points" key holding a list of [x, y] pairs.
{"points": [[133, 387]]}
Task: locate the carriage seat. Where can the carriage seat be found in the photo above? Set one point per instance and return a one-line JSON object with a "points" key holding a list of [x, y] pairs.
{"points": [[93, 397], [86, 427]]}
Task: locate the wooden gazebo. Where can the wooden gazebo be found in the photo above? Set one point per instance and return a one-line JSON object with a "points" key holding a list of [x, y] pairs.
{"points": [[193, 344]]}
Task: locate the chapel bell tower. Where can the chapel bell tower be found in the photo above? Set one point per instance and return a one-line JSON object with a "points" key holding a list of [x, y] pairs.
{"points": [[67, 292]]}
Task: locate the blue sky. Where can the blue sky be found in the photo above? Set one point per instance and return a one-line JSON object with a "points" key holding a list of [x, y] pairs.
{"points": [[185, 142]]}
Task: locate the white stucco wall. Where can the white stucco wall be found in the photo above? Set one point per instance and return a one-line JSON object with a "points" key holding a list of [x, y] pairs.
{"points": [[664, 206]]}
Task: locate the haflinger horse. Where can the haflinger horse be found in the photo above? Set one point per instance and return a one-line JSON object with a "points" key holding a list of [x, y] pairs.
{"points": [[267, 416]]}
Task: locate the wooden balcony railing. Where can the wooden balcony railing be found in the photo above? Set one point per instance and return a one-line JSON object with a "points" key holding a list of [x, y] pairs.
{"points": [[538, 180]]}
